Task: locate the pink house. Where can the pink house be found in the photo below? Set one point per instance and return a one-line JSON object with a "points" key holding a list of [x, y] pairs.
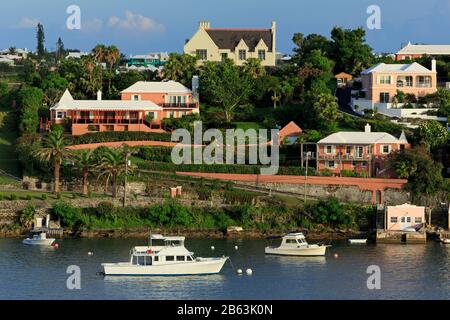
{"points": [[401, 217], [362, 152]]}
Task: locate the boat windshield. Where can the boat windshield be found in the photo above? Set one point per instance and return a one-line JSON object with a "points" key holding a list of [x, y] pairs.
{"points": [[166, 243]]}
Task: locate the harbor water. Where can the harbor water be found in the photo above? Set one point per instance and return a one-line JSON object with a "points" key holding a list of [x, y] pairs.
{"points": [[407, 272]]}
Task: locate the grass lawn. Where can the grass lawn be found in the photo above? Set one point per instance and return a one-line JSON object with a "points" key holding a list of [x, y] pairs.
{"points": [[8, 159], [247, 125], [39, 195]]}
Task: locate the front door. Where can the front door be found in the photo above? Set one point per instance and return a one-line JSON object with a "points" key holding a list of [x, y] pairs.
{"points": [[405, 222]]}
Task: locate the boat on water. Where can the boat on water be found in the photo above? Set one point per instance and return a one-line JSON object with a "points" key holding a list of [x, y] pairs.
{"points": [[38, 238], [445, 241], [164, 256], [357, 241], [295, 244]]}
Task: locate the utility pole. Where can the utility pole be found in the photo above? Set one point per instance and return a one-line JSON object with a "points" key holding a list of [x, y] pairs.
{"points": [[127, 154], [306, 174]]}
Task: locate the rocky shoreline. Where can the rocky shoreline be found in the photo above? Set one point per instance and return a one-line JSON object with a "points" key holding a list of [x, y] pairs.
{"points": [[329, 234]]}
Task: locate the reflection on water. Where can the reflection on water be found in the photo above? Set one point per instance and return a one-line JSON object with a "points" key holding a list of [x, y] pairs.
{"points": [[407, 272]]}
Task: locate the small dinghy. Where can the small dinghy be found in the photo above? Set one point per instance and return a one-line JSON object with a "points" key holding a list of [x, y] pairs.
{"points": [[357, 241], [38, 238]]}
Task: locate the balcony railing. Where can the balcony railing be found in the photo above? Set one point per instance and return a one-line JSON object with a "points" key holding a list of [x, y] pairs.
{"points": [[180, 105], [339, 156]]}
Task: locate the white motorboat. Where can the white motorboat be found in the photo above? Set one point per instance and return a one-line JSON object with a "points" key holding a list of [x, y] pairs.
{"points": [[39, 238], [165, 256], [294, 244], [357, 241]]}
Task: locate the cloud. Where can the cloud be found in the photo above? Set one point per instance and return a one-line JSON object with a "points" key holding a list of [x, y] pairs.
{"points": [[26, 23], [137, 22], [94, 25]]}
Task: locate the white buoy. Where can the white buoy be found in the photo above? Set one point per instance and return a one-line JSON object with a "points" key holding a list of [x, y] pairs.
{"points": [[90, 253], [236, 247], [239, 271], [249, 272], [336, 256], [212, 248]]}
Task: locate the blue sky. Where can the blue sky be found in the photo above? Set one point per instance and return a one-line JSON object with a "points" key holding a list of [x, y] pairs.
{"points": [[140, 26]]}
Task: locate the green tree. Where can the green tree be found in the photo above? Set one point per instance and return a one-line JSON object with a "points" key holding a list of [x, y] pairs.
{"points": [[30, 101], [305, 45], [112, 56], [53, 85], [60, 50], [40, 35], [416, 164], [224, 85], [253, 68], [181, 68], [111, 167], [26, 216], [99, 52], [327, 111], [54, 150], [85, 162], [350, 51], [433, 133]]}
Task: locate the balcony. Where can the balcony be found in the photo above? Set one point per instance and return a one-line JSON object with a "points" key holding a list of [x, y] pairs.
{"points": [[181, 105], [344, 157]]}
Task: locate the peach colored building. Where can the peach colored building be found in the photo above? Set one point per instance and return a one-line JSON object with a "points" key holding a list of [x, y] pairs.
{"points": [[398, 218], [381, 82], [289, 133], [142, 108], [414, 51], [362, 152]]}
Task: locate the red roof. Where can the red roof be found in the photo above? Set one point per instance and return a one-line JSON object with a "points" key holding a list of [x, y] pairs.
{"points": [[291, 129]]}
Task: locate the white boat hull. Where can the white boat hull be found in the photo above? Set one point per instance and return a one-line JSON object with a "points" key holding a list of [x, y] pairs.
{"points": [[38, 242], [310, 250], [357, 241], [200, 266]]}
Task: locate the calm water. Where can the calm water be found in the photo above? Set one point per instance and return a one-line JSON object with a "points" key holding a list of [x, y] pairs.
{"points": [[408, 271]]}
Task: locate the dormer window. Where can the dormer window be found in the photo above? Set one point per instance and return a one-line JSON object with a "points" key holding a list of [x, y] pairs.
{"points": [[136, 97], [242, 55], [262, 55]]}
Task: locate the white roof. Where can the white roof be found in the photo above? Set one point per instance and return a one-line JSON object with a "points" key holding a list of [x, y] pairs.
{"points": [[359, 138], [68, 103], [157, 87], [430, 49], [397, 68], [170, 238]]}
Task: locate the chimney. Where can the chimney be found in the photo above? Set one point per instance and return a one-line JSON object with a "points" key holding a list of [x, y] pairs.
{"points": [[367, 128], [204, 25], [195, 87], [99, 95], [433, 65]]}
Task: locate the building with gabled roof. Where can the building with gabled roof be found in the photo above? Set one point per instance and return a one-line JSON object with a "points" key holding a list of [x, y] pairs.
{"points": [[214, 44], [361, 152], [414, 51]]}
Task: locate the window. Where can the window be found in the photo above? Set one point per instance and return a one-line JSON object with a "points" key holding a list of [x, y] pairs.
{"points": [[155, 258], [403, 219], [330, 164], [59, 115], [189, 258], [353, 163], [170, 258], [402, 147], [359, 152], [405, 81], [242, 55], [385, 79], [148, 261], [364, 164], [385, 149], [384, 97], [180, 258], [418, 220], [136, 97], [291, 241], [262, 55], [348, 150], [224, 56], [328, 149], [408, 219], [423, 81], [202, 54], [394, 219]]}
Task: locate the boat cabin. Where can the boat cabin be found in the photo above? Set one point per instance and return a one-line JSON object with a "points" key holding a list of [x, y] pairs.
{"points": [[162, 250], [293, 239]]}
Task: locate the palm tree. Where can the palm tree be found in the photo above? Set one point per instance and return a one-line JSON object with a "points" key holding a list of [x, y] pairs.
{"points": [[12, 50], [112, 55], [180, 67], [99, 53], [85, 162], [112, 165], [276, 91], [54, 149], [253, 68]]}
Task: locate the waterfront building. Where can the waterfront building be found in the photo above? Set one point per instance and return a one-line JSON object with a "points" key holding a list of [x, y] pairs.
{"points": [[362, 152], [142, 107], [401, 217], [214, 44]]}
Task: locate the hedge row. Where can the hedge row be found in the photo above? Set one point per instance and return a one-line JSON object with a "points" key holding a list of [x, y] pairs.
{"points": [[217, 168], [113, 136]]}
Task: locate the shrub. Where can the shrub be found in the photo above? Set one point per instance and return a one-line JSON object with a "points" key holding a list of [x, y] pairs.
{"points": [[329, 212], [13, 197], [44, 197], [58, 196], [68, 214], [105, 210], [326, 173], [111, 136], [26, 216], [1, 196], [28, 197]]}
